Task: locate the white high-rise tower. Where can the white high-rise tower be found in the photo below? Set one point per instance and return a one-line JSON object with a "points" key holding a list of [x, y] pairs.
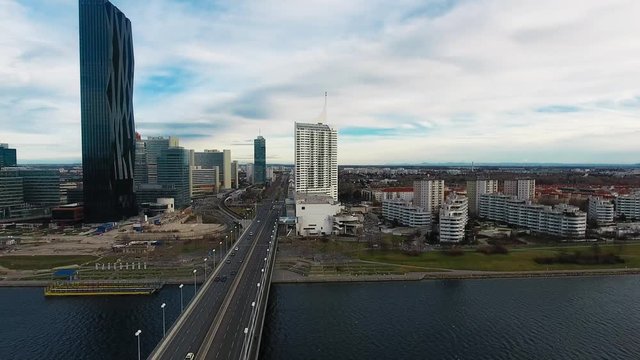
{"points": [[316, 158]]}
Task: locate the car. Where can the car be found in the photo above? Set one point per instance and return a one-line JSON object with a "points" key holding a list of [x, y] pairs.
{"points": [[233, 273], [217, 278], [233, 253], [224, 278], [258, 220], [250, 233], [190, 356], [237, 248], [228, 261]]}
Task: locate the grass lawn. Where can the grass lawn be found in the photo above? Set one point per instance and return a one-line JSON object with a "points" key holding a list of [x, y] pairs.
{"points": [[43, 261], [516, 260]]}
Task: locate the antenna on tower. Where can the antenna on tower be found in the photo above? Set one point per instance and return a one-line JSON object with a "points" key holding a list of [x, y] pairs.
{"points": [[325, 101]]}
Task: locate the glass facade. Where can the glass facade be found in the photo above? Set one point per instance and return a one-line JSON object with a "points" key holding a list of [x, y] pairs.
{"points": [[106, 98], [260, 160], [7, 156], [174, 172]]}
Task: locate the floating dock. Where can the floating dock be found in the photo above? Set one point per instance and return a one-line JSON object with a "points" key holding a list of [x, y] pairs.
{"points": [[75, 288]]}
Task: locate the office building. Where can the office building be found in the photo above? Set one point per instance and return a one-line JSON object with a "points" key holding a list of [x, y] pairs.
{"points": [[204, 181], [523, 189], [174, 173], [7, 156], [235, 170], [153, 147], [259, 160], [316, 159], [561, 220], [395, 193], [141, 168], [40, 187], [428, 194], [453, 218], [406, 214], [475, 189], [248, 170], [628, 206], [600, 210], [106, 104], [209, 159]]}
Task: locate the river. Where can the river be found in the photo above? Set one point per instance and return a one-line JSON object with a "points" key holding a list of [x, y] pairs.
{"points": [[556, 318]]}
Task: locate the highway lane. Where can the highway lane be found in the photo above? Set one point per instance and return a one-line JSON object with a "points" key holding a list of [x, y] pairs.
{"points": [[226, 339], [186, 336], [190, 330]]}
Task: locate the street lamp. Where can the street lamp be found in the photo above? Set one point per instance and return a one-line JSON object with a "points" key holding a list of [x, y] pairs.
{"points": [[205, 269], [137, 334], [221, 248], [164, 329], [181, 286], [195, 290], [214, 259]]}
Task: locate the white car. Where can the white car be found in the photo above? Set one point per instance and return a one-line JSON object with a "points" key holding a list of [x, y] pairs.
{"points": [[190, 356], [237, 248]]}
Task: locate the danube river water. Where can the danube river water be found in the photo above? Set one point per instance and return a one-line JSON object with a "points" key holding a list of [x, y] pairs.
{"points": [[557, 318]]}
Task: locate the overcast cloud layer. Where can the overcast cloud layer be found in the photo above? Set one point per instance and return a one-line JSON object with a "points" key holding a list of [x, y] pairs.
{"points": [[408, 81]]}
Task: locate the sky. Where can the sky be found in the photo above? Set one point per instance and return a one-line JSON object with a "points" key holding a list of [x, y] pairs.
{"points": [[408, 81]]}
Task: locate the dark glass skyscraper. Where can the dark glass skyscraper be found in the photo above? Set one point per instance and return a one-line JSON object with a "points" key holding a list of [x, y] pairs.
{"points": [[259, 160], [106, 98]]}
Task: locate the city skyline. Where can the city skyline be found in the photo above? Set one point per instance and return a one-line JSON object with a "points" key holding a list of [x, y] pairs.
{"points": [[446, 81]]}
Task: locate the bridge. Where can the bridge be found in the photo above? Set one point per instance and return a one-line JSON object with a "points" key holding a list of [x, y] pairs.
{"points": [[224, 320]]}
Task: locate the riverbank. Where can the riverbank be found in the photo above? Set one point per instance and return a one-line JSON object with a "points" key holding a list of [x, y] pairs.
{"points": [[287, 277]]}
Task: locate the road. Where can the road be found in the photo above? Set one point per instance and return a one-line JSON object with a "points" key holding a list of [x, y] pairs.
{"points": [[203, 318]]}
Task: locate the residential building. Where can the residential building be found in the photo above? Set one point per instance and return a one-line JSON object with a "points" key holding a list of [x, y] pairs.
{"points": [[7, 156], [453, 218], [523, 189], [628, 206], [154, 145], [475, 189], [316, 159], [561, 220], [209, 159], [406, 214], [260, 160], [315, 214], [428, 194], [106, 109], [600, 210], [174, 173], [379, 195]]}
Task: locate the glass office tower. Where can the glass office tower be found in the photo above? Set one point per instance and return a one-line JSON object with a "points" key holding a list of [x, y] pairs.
{"points": [[106, 98], [259, 160]]}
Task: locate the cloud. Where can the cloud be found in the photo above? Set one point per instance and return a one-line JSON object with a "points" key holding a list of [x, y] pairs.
{"points": [[409, 82]]}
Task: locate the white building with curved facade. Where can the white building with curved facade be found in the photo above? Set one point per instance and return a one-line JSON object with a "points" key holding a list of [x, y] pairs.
{"points": [[454, 216]]}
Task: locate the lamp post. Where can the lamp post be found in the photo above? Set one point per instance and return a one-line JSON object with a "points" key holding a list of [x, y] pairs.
{"points": [[205, 269], [164, 328], [137, 334], [222, 254], [195, 290], [214, 259], [225, 242], [181, 306]]}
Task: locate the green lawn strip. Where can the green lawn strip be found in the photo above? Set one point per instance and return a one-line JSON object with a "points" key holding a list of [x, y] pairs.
{"points": [[36, 262], [517, 259]]}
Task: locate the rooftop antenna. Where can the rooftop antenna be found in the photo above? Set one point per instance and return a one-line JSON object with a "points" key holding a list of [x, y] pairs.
{"points": [[323, 116]]}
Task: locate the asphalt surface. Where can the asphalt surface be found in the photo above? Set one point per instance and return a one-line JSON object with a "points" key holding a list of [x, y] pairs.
{"points": [[205, 330], [226, 338]]}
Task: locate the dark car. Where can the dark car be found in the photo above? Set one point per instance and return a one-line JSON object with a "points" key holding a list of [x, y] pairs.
{"points": [[228, 261], [233, 272], [224, 278], [217, 278]]}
